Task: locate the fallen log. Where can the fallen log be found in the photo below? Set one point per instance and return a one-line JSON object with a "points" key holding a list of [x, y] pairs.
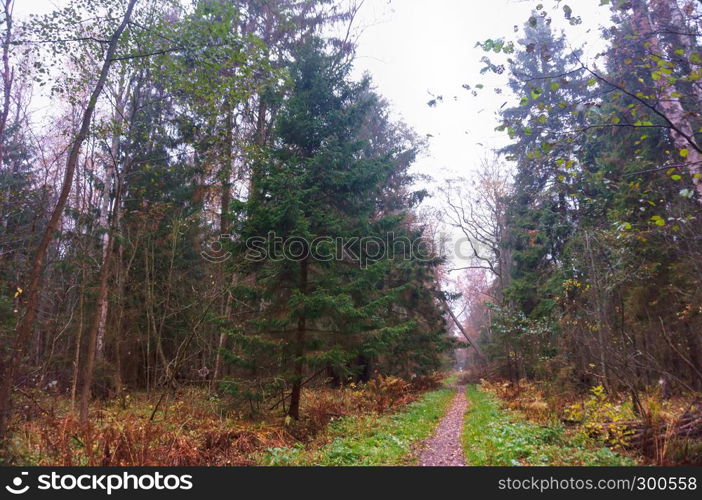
{"points": [[644, 434]]}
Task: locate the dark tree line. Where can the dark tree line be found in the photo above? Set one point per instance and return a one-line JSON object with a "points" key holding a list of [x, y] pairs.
{"points": [[173, 125], [599, 243]]}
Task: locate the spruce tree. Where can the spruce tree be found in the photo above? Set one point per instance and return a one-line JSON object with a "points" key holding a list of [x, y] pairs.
{"points": [[322, 297]]}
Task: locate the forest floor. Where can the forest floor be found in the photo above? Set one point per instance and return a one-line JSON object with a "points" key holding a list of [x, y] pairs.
{"points": [[496, 435], [394, 438], [384, 422], [450, 426], [478, 429], [380, 422]]}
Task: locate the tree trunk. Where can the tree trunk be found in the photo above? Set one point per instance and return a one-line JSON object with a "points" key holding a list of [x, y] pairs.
{"points": [[7, 77], [669, 19], [682, 131], [601, 315], [299, 353], [94, 328], [96, 334], [110, 177], [25, 326], [463, 331], [79, 338], [224, 226]]}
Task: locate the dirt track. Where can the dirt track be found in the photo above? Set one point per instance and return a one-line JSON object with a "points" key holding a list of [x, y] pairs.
{"points": [[444, 447]]}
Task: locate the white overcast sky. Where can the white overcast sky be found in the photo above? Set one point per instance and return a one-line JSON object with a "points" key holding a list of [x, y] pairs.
{"points": [[413, 47]]}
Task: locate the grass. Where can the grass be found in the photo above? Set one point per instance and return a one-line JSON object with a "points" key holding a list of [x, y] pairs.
{"points": [[493, 435], [369, 440]]}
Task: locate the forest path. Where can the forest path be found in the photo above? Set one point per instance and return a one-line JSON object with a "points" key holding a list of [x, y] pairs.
{"points": [[444, 448]]}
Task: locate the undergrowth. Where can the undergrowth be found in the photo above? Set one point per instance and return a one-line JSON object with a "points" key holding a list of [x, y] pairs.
{"points": [[641, 425], [191, 430], [192, 427], [372, 439], [493, 435]]}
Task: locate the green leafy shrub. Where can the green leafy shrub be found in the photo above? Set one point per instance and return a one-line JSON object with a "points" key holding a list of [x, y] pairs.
{"points": [[601, 418]]}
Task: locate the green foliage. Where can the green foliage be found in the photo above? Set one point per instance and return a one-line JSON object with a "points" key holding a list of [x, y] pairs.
{"points": [[322, 179], [603, 196], [601, 418], [494, 436], [520, 343], [215, 117], [371, 440]]}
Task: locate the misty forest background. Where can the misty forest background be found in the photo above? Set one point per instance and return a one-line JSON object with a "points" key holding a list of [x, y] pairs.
{"points": [[173, 122]]}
